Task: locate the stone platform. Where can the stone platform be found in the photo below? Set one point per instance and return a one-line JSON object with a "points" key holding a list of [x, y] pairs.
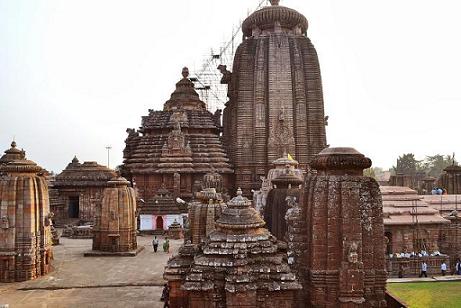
{"points": [[94, 282], [98, 253]]}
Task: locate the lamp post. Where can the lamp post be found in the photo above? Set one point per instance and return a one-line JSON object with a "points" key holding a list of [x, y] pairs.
{"points": [[108, 148]]}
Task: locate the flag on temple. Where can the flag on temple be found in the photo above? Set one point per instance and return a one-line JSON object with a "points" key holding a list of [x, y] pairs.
{"points": [[290, 157]]}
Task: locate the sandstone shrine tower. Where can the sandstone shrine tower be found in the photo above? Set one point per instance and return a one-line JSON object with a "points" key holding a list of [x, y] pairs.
{"points": [[275, 95]]}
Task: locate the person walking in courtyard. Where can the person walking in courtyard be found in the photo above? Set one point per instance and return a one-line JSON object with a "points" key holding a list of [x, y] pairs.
{"points": [[165, 296], [155, 243], [458, 267], [166, 245], [443, 268], [423, 269]]}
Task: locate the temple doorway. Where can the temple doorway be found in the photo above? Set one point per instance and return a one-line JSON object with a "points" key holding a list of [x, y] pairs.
{"points": [[73, 209], [159, 223]]}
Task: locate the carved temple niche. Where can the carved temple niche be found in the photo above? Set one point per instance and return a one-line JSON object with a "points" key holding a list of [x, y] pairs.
{"points": [[281, 140]]}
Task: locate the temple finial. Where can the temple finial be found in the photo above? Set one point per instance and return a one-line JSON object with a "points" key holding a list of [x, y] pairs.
{"points": [[274, 2], [239, 192], [13, 144], [185, 72]]}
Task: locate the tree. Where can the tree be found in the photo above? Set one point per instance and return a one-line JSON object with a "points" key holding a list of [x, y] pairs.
{"points": [[434, 165], [407, 164]]}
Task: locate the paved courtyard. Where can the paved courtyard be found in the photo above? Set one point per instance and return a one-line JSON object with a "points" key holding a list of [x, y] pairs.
{"points": [[79, 281]]}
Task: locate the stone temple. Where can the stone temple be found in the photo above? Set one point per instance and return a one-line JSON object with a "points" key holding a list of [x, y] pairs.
{"points": [[275, 96], [25, 221], [173, 150]]}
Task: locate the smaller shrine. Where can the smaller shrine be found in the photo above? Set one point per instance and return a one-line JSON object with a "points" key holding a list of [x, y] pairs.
{"points": [[336, 234], [239, 264], [160, 212], [25, 219], [78, 191], [115, 228], [286, 185]]}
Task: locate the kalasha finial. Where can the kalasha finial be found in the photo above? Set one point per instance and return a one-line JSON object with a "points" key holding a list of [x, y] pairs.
{"points": [[274, 2], [13, 144], [185, 72], [239, 192]]}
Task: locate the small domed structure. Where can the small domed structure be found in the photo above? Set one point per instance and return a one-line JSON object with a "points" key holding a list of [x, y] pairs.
{"points": [[115, 229], [25, 221]]}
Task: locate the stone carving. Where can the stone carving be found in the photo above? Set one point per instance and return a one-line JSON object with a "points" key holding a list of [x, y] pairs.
{"points": [[282, 135], [4, 223], [226, 78], [339, 189], [353, 257], [277, 65], [239, 263], [176, 142]]}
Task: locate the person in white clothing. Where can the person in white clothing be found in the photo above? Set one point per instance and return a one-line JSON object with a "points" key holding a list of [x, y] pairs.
{"points": [[423, 269], [443, 268]]}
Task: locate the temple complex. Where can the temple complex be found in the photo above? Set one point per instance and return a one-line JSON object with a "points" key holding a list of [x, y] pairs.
{"points": [[25, 220], [336, 233], [414, 231], [411, 225], [240, 264], [174, 149], [78, 191], [275, 96], [115, 228]]}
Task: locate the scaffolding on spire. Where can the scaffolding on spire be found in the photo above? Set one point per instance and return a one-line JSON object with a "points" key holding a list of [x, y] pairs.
{"points": [[207, 79]]}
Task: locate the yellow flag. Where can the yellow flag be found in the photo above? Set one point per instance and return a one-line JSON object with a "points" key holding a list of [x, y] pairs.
{"points": [[290, 157]]}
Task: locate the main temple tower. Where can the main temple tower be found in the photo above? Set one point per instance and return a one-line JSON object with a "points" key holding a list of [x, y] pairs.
{"points": [[275, 95]]}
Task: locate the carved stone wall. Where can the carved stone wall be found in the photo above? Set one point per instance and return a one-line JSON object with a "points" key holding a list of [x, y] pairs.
{"points": [[79, 185], [275, 96], [343, 264]]}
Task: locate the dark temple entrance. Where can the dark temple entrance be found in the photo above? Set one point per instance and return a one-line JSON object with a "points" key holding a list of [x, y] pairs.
{"points": [[73, 209]]}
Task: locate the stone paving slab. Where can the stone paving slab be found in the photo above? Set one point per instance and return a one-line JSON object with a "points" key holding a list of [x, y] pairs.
{"points": [[428, 279], [94, 282]]}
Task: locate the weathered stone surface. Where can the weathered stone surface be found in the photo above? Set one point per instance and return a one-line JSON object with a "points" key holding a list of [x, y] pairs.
{"points": [[340, 220], [115, 228], [25, 220], [175, 148], [240, 263], [275, 96]]}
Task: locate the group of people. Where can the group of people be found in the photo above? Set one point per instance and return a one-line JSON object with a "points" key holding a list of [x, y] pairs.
{"points": [[166, 244], [413, 254], [424, 267], [438, 191]]}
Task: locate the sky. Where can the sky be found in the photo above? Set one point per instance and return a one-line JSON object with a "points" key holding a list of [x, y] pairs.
{"points": [[75, 74]]}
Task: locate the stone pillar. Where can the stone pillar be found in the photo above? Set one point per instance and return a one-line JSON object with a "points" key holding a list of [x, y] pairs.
{"points": [[345, 253]]}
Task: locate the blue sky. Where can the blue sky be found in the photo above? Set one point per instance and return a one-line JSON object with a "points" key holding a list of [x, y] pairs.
{"points": [[75, 74]]}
